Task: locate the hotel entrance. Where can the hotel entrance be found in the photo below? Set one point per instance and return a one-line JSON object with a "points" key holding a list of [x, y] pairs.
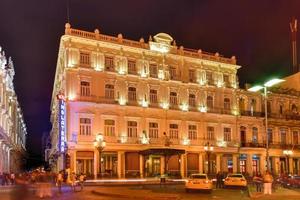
{"points": [[85, 163], [152, 166]]}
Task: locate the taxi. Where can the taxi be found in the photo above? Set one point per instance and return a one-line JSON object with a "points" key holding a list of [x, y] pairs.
{"points": [[198, 182], [235, 180]]}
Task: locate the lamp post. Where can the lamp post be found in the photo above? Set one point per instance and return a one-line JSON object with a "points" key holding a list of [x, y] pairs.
{"points": [[265, 86], [287, 153], [208, 150], [99, 144]]}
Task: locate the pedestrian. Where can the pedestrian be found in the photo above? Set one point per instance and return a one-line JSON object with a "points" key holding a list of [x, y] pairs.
{"points": [[73, 180], [268, 179], [59, 180], [81, 180], [258, 179], [219, 180], [12, 178]]}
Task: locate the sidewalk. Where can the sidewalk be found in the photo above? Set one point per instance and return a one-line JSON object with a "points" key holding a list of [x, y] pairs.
{"points": [[280, 193], [133, 181]]}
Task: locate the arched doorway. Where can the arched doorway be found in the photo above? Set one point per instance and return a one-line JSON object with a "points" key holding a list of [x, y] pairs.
{"points": [[243, 136]]}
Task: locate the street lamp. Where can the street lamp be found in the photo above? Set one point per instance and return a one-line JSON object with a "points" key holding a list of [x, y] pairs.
{"points": [[287, 153], [99, 144], [208, 149], [265, 86]]}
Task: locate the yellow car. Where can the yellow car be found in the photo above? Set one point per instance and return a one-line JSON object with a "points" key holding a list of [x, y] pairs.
{"points": [[198, 182], [235, 180]]}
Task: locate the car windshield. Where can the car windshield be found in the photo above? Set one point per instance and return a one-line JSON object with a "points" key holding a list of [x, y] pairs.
{"points": [[235, 176], [198, 176]]}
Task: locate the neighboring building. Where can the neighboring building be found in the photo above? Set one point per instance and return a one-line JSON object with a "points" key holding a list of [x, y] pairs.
{"points": [[12, 126], [46, 145], [158, 106]]}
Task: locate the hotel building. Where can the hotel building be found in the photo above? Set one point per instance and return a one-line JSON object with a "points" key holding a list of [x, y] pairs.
{"points": [[12, 126], [162, 109]]}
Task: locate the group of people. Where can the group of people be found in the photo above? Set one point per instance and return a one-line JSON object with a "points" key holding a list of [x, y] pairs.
{"points": [[7, 179], [41, 182], [263, 182]]}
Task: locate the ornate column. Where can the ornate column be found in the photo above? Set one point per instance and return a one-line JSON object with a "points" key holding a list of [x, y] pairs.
{"points": [[121, 164], [234, 162], [291, 168], [183, 165], [162, 165], [200, 163], [218, 162], [96, 160], [262, 163], [249, 164], [141, 166]]}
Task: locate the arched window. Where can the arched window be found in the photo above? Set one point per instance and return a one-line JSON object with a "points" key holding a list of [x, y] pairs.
{"points": [[209, 102], [227, 103]]}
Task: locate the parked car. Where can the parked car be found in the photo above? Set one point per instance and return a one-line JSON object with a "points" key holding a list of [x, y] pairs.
{"points": [[291, 181], [198, 182], [235, 180]]}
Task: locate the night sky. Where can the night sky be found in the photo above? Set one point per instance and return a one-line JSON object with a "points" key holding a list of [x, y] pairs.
{"points": [[255, 31]]}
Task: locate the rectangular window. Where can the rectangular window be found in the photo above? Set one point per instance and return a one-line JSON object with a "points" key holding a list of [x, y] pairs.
{"points": [[242, 166], [210, 133], [109, 127], [172, 72], [283, 136], [209, 78], [109, 63], [131, 67], [85, 126], [173, 98], [132, 129], [84, 58], [153, 70], [173, 131], [131, 94], [226, 80], [270, 135], [153, 96], [192, 132], [153, 130], [109, 91], [254, 135], [192, 100], [192, 76], [85, 88], [227, 134], [295, 137]]}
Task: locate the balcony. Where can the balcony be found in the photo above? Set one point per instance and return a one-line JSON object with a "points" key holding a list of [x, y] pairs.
{"points": [[96, 99]]}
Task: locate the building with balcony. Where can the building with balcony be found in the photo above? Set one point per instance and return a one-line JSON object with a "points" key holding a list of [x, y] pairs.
{"points": [[12, 126], [158, 107]]}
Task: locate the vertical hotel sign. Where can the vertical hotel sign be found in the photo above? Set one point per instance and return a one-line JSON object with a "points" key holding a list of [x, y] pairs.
{"points": [[61, 123]]}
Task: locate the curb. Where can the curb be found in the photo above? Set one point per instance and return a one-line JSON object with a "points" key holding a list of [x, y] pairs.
{"points": [[135, 196]]}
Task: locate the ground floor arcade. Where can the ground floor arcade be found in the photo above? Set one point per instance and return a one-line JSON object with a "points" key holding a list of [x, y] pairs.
{"points": [[134, 164]]}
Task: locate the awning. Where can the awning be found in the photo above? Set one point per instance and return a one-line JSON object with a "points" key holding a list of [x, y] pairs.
{"points": [[162, 151]]}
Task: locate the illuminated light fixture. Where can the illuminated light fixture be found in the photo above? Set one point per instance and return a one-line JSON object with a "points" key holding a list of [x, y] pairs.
{"points": [[123, 139], [221, 144], [144, 103], [184, 107], [255, 88], [272, 82], [98, 68], [186, 141], [161, 74], [219, 84], [122, 101], [203, 109], [144, 74], [121, 71], [145, 139], [288, 152], [165, 105], [71, 97], [201, 82]]}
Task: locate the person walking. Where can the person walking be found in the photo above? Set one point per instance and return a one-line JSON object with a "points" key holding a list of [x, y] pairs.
{"points": [[268, 179], [81, 180], [59, 181], [219, 180], [258, 179]]}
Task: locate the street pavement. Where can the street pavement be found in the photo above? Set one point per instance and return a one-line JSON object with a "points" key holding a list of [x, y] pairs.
{"points": [[150, 192]]}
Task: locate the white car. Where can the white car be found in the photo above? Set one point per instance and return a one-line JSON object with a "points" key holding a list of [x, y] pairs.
{"points": [[235, 180], [198, 182]]}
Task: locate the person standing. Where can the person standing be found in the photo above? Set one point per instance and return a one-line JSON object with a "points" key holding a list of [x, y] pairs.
{"points": [[81, 180], [257, 179], [219, 180], [268, 179]]}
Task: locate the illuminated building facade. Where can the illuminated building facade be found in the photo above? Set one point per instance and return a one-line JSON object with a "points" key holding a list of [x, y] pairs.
{"points": [[148, 99], [12, 126]]}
